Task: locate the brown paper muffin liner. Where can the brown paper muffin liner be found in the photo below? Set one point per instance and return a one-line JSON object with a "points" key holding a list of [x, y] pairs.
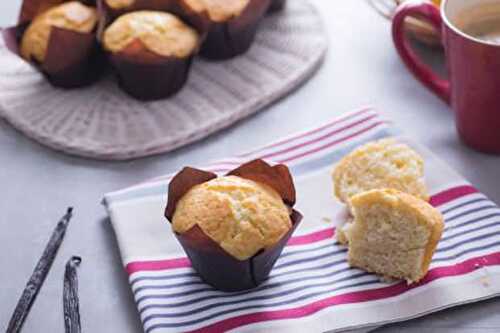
{"points": [[143, 74], [147, 76], [276, 6], [229, 39], [73, 59], [214, 265]]}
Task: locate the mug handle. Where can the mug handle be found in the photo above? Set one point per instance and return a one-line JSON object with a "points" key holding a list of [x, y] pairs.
{"points": [[421, 71]]}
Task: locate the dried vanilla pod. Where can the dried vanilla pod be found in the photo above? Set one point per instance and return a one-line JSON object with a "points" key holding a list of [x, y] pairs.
{"points": [[70, 296], [39, 274]]}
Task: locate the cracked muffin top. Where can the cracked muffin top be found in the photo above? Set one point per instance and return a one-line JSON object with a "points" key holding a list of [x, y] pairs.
{"points": [[240, 215], [161, 33]]}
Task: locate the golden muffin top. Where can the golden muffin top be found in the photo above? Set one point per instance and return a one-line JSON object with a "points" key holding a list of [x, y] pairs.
{"points": [[219, 10], [241, 215], [71, 15], [161, 33], [119, 4]]}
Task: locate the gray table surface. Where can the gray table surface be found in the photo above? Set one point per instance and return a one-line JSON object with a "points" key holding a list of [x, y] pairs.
{"points": [[37, 184]]}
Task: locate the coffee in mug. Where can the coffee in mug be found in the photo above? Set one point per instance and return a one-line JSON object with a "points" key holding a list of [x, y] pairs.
{"points": [[481, 21], [470, 31]]}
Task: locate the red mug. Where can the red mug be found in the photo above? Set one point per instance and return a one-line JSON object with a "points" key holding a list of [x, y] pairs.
{"points": [[473, 87]]}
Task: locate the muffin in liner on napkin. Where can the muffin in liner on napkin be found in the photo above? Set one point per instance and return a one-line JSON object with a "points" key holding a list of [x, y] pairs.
{"points": [[233, 228], [151, 52], [59, 39]]}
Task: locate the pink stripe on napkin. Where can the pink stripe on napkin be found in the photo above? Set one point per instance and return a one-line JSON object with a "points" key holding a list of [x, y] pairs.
{"points": [[451, 194], [309, 133], [355, 297], [321, 138], [312, 238], [331, 144], [157, 265]]}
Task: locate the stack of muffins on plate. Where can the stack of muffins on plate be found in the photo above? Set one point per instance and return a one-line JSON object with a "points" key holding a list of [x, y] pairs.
{"points": [[150, 44]]}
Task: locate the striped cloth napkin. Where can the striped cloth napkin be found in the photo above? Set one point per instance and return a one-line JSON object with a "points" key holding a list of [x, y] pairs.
{"points": [[312, 288]]}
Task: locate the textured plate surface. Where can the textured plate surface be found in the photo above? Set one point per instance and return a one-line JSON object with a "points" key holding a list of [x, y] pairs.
{"points": [[102, 122]]}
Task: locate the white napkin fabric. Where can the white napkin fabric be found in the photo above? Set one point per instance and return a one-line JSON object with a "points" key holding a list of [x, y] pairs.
{"points": [[311, 288]]}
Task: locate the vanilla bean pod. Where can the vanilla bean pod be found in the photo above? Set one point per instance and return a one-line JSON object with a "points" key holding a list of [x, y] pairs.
{"points": [[39, 274], [70, 297]]}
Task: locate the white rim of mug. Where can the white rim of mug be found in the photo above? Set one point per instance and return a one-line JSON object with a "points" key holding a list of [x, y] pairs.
{"points": [[458, 31]]}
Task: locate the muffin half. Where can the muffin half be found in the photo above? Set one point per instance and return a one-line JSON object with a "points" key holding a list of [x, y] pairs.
{"points": [[151, 52], [394, 234], [386, 163]]}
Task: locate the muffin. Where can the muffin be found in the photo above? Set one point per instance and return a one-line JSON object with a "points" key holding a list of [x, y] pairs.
{"points": [[233, 228], [72, 16], [232, 25], [229, 26], [61, 42], [151, 53], [393, 234]]}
